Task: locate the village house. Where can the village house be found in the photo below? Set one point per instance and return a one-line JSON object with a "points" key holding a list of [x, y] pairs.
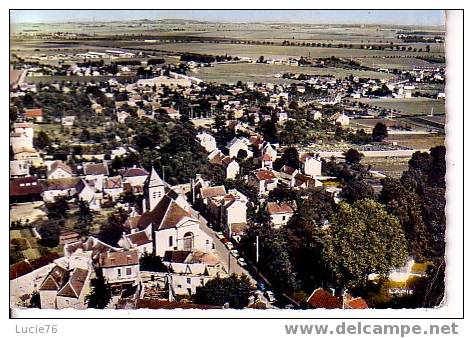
{"points": [[269, 149], [263, 180], [25, 189], [120, 268], [34, 114], [341, 119], [310, 165], [96, 173], [207, 141], [191, 270], [135, 178], [231, 166], [59, 169], [88, 192], [287, 175], [68, 121], [266, 161], [59, 187], [19, 168], [113, 186], [237, 144], [280, 213], [137, 240]]}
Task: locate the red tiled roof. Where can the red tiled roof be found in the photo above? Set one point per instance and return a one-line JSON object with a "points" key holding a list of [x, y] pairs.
{"points": [[75, 284], [118, 258], [60, 183], [56, 279], [139, 238], [25, 186], [166, 214], [35, 112], [95, 169], [132, 172], [60, 165], [276, 208], [288, 170], [323, 299], [357, 303], [213, 191], [113, 183], [263, 175]]}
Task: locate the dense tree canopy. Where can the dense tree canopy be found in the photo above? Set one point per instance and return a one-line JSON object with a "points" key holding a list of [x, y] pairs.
{"points": [[362, 239], [233, 290]]}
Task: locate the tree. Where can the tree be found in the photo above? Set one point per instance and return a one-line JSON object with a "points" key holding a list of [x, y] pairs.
{"points": [[380, 132], [57, 209], [274, 260], [362, 239], [152, 263], [290, 157], [101, 293], [112, 230], [233, 290], [42, 141], [85, 218], [352, 156], [355, 190]]}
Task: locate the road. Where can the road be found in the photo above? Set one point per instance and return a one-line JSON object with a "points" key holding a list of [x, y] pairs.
{"points": [[220, 249]]}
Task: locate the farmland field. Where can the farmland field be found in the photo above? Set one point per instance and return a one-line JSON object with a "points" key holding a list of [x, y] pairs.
{"points": [[266, 73], [412, 106], [268, 51]]}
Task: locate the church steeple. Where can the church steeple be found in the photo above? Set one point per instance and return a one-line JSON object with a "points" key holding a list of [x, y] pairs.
{"points": [[155, 189]]}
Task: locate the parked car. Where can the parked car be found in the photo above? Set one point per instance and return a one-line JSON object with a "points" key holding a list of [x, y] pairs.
{"points": [[234, 252], [241, 261], [219, 235], [229, 245], [270, 296]]}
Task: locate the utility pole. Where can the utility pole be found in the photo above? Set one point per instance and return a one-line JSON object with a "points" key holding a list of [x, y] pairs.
{"points": [[257, 249]]}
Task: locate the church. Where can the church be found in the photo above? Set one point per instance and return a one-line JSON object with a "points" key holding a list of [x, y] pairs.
{"points": [[167, 223]]}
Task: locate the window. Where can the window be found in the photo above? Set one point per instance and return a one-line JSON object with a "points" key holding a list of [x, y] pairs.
{"points": [[128, 271], [119, 272], [170, 241], [188, 281], [179, 286], [284, 218]]}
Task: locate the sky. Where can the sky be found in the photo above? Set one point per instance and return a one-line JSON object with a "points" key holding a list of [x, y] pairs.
{"points": [[402, 17]]}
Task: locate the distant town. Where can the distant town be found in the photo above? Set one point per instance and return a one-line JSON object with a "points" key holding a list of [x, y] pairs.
{"points": [[180, 165]]}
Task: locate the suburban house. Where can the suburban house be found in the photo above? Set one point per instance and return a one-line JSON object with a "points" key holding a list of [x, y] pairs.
{"points": [[191, 270], [65, 287], [136, 178], [227, 209], [120, 268], [266, 161], [25, 189], [35, 114], [269, 149], [310, 165], [68, 121], [287, 175], [86, 191], [96, 172], [237, 144], [207, 141], [59, 169], [280, 213], [263, 180], [59, 187], [231, 166], [113, 186], [19, 168], [304, 182], [340, 118]]}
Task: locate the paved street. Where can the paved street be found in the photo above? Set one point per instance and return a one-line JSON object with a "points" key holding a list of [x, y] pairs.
{"points": [[220, 249]]}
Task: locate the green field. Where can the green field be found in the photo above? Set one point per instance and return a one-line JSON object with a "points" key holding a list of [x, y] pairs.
{"points": [[244, 72], [413, 106]]}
